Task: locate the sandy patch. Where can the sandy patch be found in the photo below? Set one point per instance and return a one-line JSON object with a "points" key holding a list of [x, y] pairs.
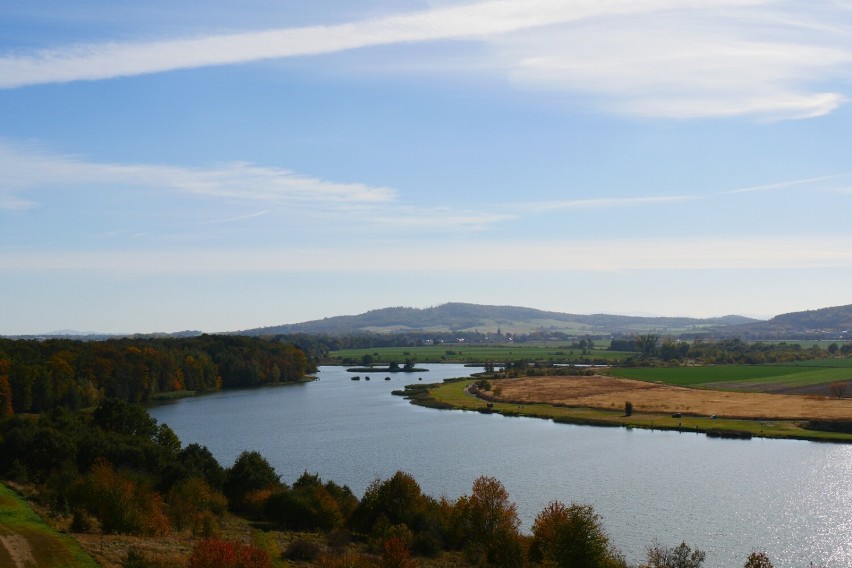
{"points": [[610, 393]]}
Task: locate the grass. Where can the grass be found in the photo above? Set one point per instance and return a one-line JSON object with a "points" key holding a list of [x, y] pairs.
{"points": [[740, 377], [34, 541], [452, 394], [469, 353]]}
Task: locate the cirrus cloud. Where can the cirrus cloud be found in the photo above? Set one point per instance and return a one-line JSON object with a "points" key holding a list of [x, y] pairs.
{"points": [[675, 59]]}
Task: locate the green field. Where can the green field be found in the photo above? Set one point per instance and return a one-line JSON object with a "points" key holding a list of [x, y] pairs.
{"points": [[741, 377], [462, 353], [35, 543]]}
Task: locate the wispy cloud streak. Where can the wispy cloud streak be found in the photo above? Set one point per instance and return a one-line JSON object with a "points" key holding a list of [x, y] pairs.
{"points": [[30, 168]]}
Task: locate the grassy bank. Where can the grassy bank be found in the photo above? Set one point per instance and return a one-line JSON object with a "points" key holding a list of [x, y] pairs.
{"points": [[25, 539], [453, 394]]}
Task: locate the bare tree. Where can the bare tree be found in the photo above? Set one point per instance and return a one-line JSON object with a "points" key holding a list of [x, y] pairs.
{"points": [[838, 388]]}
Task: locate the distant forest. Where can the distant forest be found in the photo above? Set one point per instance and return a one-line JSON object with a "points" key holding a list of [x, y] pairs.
{"points": [[36, 376]]}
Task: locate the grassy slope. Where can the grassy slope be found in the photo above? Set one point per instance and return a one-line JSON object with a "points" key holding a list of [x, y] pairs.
{"points": [[453, 393], [49, 548]]}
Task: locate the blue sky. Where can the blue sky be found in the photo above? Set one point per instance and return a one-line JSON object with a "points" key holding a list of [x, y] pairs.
{"points": [[221, 166]]}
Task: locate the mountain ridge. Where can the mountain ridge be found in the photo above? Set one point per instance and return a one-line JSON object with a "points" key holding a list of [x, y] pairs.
{"points": [[460, 316]]}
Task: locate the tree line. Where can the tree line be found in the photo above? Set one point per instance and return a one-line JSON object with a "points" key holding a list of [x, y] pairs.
{"points": [[37, 376], [723, 351], [115, 470]]}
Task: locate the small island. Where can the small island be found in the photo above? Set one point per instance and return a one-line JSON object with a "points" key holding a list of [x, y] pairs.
{"points": [[393, 367]]}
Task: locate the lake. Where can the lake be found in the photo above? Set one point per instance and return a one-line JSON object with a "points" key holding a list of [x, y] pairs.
{"points": [[792, 499]]}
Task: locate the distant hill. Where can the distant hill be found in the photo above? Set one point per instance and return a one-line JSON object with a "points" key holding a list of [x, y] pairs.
{"points": [[825, 323], [508, 319]]}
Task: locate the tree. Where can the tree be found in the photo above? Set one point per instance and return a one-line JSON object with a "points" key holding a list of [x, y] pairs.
{"points": [[647, 344], [837, 389], [114, 415], [758, 560], [487, 524], [250, 472], [399, 500], [681, 556], [572, 537], [6, 408]]}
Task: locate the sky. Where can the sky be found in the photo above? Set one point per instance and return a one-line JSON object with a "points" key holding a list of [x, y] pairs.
{"points": [[220, 166]]}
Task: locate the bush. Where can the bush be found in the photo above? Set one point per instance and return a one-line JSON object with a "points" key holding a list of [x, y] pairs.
{"points": [[227, 554], [303, 550]]}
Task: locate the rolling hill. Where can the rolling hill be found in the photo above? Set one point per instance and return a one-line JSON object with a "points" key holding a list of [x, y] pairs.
{"points": [[508, 319], [824, 323]]}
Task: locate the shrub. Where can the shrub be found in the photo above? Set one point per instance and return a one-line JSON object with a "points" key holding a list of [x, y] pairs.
{"points": [[303, 550], [227, 554]]}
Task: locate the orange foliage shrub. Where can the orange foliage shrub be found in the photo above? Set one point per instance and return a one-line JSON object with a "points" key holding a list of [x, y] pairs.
{"points": [[215, 553]]}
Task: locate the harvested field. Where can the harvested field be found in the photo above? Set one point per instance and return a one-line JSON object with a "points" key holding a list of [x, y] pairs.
{"points": [[610, 393]]}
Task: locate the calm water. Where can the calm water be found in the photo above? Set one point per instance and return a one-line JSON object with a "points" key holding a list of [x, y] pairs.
{"points": [[728, 497]]}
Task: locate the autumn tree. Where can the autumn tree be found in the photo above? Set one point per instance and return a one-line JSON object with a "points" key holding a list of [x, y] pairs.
{"points": [[681, 556], [310, 504], [196, 506], [758, 560], [572, 537], [487, 524], [6, 408], [250, 472], [120, 504]]}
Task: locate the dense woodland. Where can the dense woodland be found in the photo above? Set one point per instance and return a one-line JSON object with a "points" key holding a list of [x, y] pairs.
{"points": [[652, 349], [36, 376], [114, 470]]}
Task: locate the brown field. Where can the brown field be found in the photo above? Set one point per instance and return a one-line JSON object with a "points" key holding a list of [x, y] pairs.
{"points": [[609, 393]]}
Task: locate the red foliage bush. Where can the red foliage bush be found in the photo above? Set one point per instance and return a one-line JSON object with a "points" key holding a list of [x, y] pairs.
{"points": [[215, 553]]}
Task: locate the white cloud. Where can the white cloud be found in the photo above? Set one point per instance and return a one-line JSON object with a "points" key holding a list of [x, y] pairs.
{"points": [[687, 64], [659, 58], [101, 61], [25, 168]]}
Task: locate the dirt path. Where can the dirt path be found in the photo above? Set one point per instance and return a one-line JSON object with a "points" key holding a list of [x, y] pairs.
{"points": [[19, 551], [609, 393]]}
